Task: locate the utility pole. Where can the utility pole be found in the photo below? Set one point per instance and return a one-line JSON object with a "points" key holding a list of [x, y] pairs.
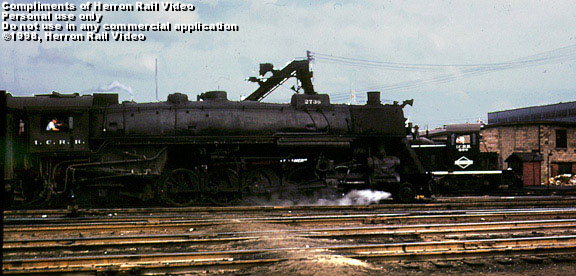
{"points": [[309, 55]]}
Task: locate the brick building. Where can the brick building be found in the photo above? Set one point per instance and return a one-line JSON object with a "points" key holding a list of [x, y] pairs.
{"points": [[552, 146], [539, 142]]}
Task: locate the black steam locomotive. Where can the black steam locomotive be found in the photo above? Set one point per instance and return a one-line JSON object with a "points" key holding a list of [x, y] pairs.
{"points": [[183, 152], [453, 158]]}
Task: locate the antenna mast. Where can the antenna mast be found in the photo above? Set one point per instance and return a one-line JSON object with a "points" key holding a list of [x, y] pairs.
{"points": [[156, 77]]}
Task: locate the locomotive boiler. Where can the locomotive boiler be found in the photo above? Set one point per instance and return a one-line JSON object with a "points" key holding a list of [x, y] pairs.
{"points": [[182, 152]]}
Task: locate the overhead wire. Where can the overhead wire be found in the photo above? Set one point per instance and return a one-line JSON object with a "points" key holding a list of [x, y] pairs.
{"points": [[475, 71], [465, 70], [433, 67], [446, 78]]}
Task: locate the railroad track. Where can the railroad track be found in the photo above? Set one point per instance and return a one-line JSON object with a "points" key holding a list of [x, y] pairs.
{"points": [[284, 214], [564, 245], [189, 240], [445, 203], [119, 225], [415, 232]]}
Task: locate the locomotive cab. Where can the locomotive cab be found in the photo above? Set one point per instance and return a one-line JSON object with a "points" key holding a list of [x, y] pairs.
{"points": [[67, 116], [43, 131], [70, 135]]}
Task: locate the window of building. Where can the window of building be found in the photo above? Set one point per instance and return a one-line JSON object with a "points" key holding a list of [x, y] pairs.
{"points": [[21, 127], [561, 139], [564, 168]]}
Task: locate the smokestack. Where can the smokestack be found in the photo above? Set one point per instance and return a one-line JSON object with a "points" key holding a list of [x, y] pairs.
{"points": [[373, 98]]}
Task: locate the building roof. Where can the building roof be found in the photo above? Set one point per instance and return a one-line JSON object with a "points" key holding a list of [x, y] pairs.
{"points": [[463, 127], [454, 128], [561, 124], [524, 157], [560, 112]]}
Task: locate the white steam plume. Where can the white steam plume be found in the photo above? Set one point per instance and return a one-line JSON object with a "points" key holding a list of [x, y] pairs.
{"points": [[322, 197], [356, 197], [116, 86]]}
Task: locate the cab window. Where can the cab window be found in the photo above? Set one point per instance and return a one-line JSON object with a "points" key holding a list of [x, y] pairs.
{"points": [[57, 123], [463, 139]]}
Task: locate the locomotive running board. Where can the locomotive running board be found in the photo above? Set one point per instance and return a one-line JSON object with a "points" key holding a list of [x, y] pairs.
{"points": [[428, 146], [465, 172], [308, 141]]}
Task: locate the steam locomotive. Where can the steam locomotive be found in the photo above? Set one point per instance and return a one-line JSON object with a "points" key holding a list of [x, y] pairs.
{"points": [[212, 150]]}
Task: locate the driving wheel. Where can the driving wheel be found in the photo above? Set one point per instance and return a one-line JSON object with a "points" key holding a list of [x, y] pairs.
{"points": [[181, 187], [261, 182], [224, 186], [406, 193]]}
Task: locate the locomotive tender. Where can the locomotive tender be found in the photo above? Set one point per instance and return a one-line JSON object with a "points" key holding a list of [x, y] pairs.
{"points": [[183, 152]]}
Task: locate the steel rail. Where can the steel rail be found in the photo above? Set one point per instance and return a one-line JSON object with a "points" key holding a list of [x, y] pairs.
{"points": [[468, 254], [464, 199], [92, 243], [288, 214], [166, 268], [442, 203], [37, 246], [373, 251], [422, 228], [11, 230]]}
